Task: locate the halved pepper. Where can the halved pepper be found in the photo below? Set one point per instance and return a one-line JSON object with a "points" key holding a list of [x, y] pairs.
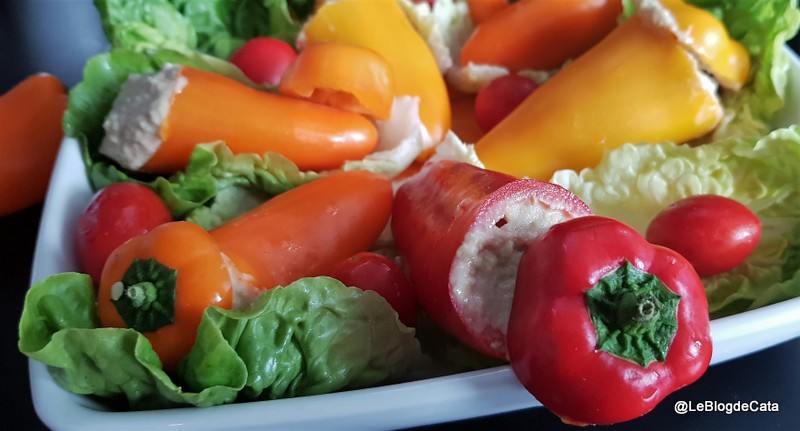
{"points": [[639, 84], [604, 325], [461, 231], [381, 25], [344, 76]]}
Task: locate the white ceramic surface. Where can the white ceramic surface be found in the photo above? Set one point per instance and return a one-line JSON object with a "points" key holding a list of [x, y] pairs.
{"points": [[434, 400]]}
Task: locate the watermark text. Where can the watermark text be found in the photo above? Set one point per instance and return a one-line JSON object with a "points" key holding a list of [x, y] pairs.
{"points": [[684, 407]]}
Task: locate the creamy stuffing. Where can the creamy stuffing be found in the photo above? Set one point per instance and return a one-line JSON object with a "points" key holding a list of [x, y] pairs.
{"points": [[133, 127], [483, 275], [244, 288]]}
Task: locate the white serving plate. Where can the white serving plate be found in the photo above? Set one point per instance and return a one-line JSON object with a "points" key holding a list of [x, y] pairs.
{"points": [[433, 400]]}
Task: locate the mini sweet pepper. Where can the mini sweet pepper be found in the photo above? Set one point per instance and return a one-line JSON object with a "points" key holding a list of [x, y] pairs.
{"points": [[604, 325], [160, 283], [639, 84], [461, 230]]}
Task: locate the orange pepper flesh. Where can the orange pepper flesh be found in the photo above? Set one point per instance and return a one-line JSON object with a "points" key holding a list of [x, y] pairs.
{"points": [[212, 107], [203, 280], [381, 25], [344, 76], [30, 121], [540, 34], [308, 230], [637, 85], [482, 10]]}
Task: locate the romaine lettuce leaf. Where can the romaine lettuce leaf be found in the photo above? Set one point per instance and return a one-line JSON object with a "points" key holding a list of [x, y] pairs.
{"points": [[634, 182], [145, 24], [316, 335], [218, 185], [213, 27], [324, 337]]}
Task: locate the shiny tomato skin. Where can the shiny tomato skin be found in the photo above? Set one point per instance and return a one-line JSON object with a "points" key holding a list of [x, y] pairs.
{"points": [[373, 271], [712, 232], [264, 59], [499, 97], [115, 214]]}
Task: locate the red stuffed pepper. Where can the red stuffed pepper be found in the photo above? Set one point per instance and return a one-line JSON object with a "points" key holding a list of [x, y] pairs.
{"points": [[461, 231], [604, 325]]}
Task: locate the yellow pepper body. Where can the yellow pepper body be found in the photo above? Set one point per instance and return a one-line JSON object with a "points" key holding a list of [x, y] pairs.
{"points": [[725, 58], [381, 25], [637, 85]]}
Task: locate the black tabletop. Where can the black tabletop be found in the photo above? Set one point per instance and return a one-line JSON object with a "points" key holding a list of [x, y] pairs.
{"points": [[769, 376]]}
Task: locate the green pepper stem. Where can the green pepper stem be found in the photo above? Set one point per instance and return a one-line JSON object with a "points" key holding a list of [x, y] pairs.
{"points": [[145, 297], [634, 315], [636, 309], [142, 294]]}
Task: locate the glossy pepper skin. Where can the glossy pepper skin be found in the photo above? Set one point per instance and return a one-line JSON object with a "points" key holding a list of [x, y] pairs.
{"points": [[553, 340], [344, 76], [381, 26], [309, 229], [546, 33], [212, 107], [202, 279], [638, 84], [460, 230], [30, 121]]}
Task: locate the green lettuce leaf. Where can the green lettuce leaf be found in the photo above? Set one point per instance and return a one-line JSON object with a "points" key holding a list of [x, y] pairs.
{"points": [[213, 27], [634, 182], [145, 25], [317, 336], [323, 335], [59, 328], [218, 185]]}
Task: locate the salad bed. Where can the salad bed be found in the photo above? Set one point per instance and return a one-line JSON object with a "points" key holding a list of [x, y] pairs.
{"points": [[744, 160]]}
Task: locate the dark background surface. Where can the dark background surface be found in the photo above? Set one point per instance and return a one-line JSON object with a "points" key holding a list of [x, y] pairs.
{"points": [[772, 375]]}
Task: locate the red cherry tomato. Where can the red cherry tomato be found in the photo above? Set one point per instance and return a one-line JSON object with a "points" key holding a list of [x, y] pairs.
{"points": [[264, 59], [499, 97], [115, 214], [373, 271], [712, 232]]}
